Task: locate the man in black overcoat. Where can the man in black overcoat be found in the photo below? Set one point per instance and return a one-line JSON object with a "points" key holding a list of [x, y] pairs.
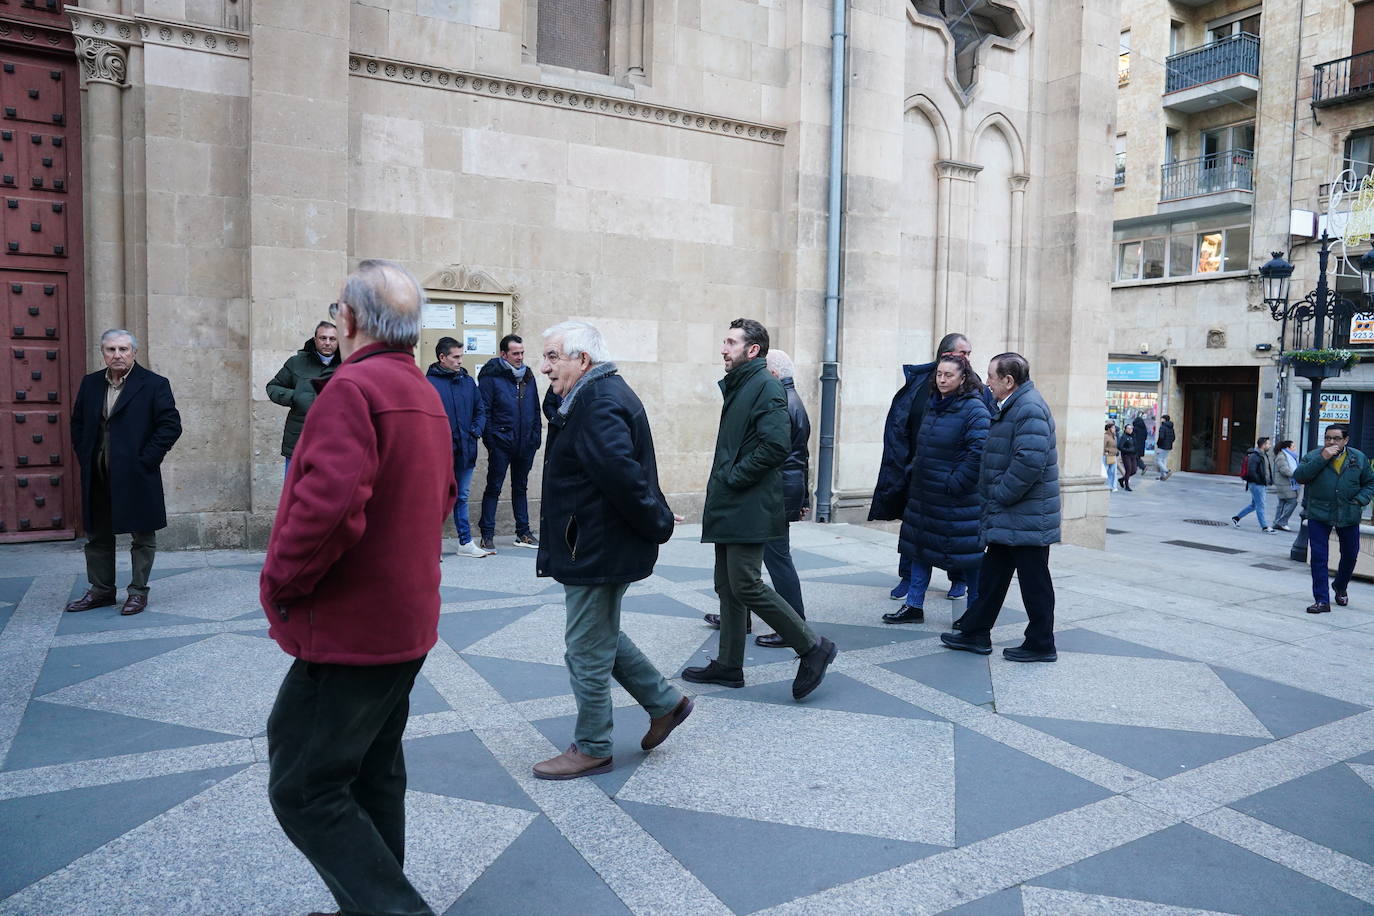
{"points": [[123, 424]]}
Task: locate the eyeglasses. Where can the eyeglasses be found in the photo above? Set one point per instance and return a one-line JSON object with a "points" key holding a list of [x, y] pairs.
{"points": [[334, 310]]}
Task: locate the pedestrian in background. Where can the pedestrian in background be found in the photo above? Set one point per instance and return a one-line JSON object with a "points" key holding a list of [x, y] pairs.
{"points": [[1340, 483], [467, 417], [1257, 475], [1285, 465], [1141, 434], [1164, 446], [512, 435], [1110, 454], [1125, 444], [294, 384]]}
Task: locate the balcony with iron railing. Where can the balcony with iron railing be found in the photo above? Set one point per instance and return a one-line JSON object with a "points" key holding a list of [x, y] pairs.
{"points": [[1347, 79], [1216, 73], [1214, 183]]}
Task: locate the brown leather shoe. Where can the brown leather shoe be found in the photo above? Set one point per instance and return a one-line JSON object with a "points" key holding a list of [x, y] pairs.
{"points": [[92, 599], [571, 764], [134, 604], [660, 727]]}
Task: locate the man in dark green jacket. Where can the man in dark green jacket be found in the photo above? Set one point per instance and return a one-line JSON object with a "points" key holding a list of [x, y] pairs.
{"points": [[744, 510], [1340, 484], [293, 385]]}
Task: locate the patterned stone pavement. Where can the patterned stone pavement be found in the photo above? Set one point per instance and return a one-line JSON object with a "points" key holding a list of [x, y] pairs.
{"points": [[1202, 746]]}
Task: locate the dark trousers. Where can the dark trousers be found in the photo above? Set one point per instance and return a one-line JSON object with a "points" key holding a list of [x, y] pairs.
{"points": [[1031, 565], [777, 559], [1319, 540], [100, 545], [741, 590], [338, 779], [1129, 465], [498, 461]]}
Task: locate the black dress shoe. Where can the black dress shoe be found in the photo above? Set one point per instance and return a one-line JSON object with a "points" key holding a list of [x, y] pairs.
{"points": [[1342, 599], [906, 614], [713, 621], [134, 604], [966, 643], [770, 641], [92, 599], [715, 673], [1320, 607], [1022, 654], [812, 670]]}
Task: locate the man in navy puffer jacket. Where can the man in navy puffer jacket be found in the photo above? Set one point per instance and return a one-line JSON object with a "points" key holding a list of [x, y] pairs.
{"points": [[467, 418]]}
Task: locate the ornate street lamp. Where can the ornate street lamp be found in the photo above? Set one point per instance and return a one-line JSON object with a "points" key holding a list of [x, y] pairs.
{"points": [[1275, 276]]}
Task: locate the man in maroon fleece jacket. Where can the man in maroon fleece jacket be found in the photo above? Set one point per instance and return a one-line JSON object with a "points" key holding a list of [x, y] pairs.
{"points": [[351, 588]]}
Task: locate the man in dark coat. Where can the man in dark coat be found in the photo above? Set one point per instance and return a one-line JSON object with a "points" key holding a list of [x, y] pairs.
{"points": [[294, 384], [511, 399], [602, 517], [350, 587], [1019, 484], [744, 511], [467, 417], [1164, 445], [124, 422]]}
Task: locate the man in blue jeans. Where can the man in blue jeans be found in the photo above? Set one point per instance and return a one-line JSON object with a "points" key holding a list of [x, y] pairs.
{"points": [[467, 417], [1258, 477], [1340, 484], [514, 426]]}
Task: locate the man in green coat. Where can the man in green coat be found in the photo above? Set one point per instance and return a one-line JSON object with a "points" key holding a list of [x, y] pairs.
{"points": [[744, 510], [293, 385], [1340, 484]]}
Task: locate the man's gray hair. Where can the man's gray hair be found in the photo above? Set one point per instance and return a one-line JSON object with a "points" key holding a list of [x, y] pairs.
{"points": [[385, 299], [112, 333], [579, 337], [780, 363]]}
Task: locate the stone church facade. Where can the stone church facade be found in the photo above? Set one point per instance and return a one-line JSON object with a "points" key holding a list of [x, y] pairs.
{"points": [[659, 167]]}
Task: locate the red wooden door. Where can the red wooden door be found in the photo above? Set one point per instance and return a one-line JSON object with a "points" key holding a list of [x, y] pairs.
{"points": [[41, 294]]}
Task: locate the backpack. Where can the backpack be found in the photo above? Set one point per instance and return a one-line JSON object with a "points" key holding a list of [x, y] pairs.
{"points": [[1245, 468]]}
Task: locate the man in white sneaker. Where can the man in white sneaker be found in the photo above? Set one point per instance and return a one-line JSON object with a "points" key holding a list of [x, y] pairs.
{"points": [[467, 417]]}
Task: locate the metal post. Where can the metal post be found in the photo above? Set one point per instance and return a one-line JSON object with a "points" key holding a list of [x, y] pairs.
{"points": [[830, 375], [1314, 408]]}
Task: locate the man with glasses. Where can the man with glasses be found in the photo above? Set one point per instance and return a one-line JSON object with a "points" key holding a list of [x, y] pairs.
{"points": [[1340, 484]]}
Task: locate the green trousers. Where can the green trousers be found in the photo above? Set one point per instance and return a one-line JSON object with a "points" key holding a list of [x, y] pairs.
{"points": [[597, 651], [741, 590], [100, 546]]}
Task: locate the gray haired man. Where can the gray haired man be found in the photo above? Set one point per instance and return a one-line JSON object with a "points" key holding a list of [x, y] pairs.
{"points": [[602, 518]]}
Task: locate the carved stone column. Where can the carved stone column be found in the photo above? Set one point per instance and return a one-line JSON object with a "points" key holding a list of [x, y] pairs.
{"points": [[1016, 294], [953, 209]]}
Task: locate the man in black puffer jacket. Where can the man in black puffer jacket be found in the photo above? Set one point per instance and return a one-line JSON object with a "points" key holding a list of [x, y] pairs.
{"points": [[602, 518], [294, 384], [1019, 484]]}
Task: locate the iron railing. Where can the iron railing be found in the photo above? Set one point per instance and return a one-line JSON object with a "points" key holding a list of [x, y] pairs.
{"points": [[1230, 170], [1218, 60], [1343, 80]]}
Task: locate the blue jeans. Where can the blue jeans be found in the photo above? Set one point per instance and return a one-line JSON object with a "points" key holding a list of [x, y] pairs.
{"points": [[1319, 541], [904, 572], [777, 559], [497, 463], [1256, 506], [920, 581], [460, 508]]}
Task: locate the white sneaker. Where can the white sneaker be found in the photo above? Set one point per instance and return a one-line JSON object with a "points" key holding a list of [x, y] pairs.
{"points": [[1267, 530], [470, 549]]}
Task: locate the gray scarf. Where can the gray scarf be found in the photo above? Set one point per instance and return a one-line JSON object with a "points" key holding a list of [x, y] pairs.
{"points": [[600, 370]]}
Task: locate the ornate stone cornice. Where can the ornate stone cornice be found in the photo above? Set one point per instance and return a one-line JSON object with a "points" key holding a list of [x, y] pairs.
{"points": [[103, 27], [102, 61], [35, 34], [128, 31], [459, 279], [1018, 182], [556, 97], [958, 171]]}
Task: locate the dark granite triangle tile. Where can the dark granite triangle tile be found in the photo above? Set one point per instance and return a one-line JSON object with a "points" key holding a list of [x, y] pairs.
{"points": [[52, 733], [804, 560], [683, 573], [460, 766], [540, 872], [1363, 758], [1161, 752], [1080, 640], [44, 833], [517, 681], [161, 573], [658, 604], [14, 589], [885, 581], [1002, 903], [425, 699], [845, 636], [1282, 709], [959, 674], [106, 619], [998, 788], [73, 664], [751, 865], [449, 594], [1333, 807], [628, 724], [838, 692], [1183, 866], [464, 628]]}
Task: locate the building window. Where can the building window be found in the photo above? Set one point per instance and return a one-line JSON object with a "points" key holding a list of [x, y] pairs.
{"points": [[1246, 22], [1123, 60], [1359, 153], [1176, 44], [1186, 252], [1120, 178], [575, 34]]}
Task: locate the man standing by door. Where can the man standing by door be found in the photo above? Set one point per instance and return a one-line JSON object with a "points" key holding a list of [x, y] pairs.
{"points": [[514, 426]]}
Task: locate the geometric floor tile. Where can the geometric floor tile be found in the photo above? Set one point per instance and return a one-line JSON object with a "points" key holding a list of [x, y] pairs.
{"points": [[1365, 771], [1002, 903], [951, 672], [1161, 752], [226, 683], [1118, 690], [517, 681], [869, 579], [683, 573], [803, 560], [105, 619], [11, 593], [841, 692], [1183, 866], [459, 765], [563, 882], [1285, 710], [207, 593], [658, 604], [424, 699], [998, 788], [72, 664], [43, 833], [775, 763], [1333, 807], [1080, 640], [751, 865], [1044, 901], [464, 628], [845, 636], [50, 733], [627, 728]]}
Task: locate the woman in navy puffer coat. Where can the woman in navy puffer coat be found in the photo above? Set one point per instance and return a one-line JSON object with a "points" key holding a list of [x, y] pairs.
{"points": [[940, 524]]}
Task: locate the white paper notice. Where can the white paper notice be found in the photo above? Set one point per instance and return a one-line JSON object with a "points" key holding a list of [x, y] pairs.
{"points": [[479, 313], [480, 340], [439, 315]]}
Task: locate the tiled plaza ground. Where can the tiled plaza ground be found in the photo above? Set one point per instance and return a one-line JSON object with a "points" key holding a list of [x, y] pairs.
{"points": [[1202, 745]]}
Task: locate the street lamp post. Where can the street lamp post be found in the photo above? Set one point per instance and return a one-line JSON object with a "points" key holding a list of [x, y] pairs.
{"points": [[1321, 303]]}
